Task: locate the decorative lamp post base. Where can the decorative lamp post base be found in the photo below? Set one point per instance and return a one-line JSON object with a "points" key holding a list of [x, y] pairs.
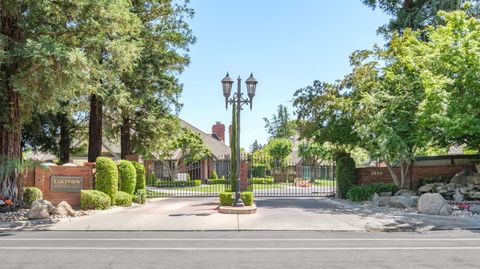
{"points": [[238, 200]]}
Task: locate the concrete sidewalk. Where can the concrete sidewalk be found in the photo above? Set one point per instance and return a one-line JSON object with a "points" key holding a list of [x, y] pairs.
{"points": [[200, 214]]}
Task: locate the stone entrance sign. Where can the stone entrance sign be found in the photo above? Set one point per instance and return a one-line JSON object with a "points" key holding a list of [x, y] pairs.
{"points": [[66, 183]]}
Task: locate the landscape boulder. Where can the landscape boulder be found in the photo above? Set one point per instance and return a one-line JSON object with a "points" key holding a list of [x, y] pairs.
{"points": [[426, 188], [404, 192], [475, 209], [64, 209], [473, 179], [460, 179], [49, 205], [433, 204], [458, 197], [403, 201], [38, 211]]}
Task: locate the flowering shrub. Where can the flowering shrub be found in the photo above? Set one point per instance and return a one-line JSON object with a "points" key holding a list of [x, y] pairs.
{"points": [[5, 204]]}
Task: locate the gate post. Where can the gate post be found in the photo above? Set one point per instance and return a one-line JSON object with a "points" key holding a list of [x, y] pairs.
{"points": [[244, 182]]}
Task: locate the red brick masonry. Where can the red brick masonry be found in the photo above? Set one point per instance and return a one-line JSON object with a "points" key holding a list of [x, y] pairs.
{"points": [[40, 178], [367, 175]]}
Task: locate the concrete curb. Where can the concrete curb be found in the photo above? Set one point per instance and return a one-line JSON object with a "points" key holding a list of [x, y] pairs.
{"points": [[238, 210]]}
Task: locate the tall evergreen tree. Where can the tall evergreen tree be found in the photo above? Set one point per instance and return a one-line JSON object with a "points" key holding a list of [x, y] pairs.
{"points": [[50, 51]]}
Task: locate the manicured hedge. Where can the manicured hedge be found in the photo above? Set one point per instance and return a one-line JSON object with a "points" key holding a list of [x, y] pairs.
{"points": [[140, 196], [30, 195], [214, 175], [217, 181], [93, 199], [227, 198], [106, 177], [365, 192], [259, 171], [247, 198], [140, 171], [179, 183], [262, 180], [127, 177], [345, 173], [123, 199]]}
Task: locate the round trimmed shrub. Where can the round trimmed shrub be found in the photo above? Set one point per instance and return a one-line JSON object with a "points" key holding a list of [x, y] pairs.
{"points": [[247, 198], [93, 199], [123, 199], [141, 178], [140, 196], [345, 173], [30, 195], [106, 177], [226, 198], [127, 176]]}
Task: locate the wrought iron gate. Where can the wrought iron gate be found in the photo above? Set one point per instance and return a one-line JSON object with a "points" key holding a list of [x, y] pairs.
{"points": [[264, 176]]}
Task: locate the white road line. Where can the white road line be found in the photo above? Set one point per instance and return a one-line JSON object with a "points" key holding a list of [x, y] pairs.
{"points": [[241, 249], [241, 239]]}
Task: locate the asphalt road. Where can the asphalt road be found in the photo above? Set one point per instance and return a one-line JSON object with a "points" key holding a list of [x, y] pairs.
{"points": [[452, 249]]}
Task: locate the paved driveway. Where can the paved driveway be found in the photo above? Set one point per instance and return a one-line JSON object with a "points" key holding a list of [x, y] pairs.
{"points": [[201, 214]]}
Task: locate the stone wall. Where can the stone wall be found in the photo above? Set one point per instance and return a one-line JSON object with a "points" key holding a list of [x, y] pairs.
{"points": [[367, 175]]}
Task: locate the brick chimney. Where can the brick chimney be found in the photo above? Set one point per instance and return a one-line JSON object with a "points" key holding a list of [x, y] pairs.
{"points": [[219, 130]]}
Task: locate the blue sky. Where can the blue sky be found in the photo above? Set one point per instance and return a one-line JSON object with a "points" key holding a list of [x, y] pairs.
{"points": [[286, 44]]}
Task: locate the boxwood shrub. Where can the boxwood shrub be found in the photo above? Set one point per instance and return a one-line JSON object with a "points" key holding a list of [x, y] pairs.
{"points": [[127, 177], [216, 181], [140, 196], [226, 198], [141, 177], [177, 184], [214, 175], [365, 192], [345, 173], [247, 197], [93, 199], [30, 195], [259, 171], [123, 199], [106, 177]]}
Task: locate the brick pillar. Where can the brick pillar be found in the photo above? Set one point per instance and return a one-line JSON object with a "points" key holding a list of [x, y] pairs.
{"points": [[244, 182], [132, 157]]}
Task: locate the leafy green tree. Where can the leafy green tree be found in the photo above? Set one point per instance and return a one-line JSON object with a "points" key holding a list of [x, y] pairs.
{"points": [[416, 14], [324, 114], [279, 149], [280, 125], [451, 64], [191, 149], [312, 153]]}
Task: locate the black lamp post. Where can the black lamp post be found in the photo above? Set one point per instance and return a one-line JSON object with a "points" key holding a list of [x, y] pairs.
{"points": [[237, 98]]}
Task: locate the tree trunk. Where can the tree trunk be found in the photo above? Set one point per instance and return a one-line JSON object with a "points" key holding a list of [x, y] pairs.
{"points": [[95, 128], [10, 124], [392, 172], [125, 137], [65, 138]]}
